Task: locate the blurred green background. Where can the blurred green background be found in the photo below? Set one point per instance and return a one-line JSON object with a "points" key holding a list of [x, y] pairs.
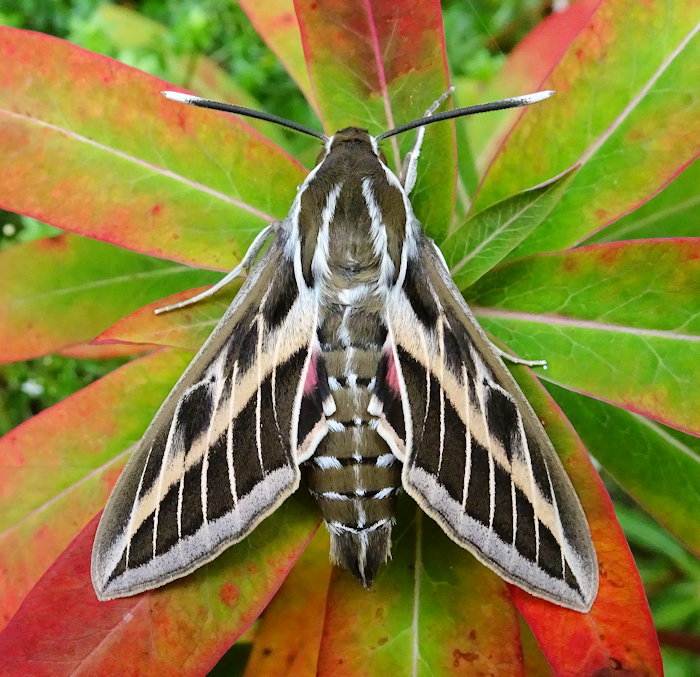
{"points": [[167, 38]]}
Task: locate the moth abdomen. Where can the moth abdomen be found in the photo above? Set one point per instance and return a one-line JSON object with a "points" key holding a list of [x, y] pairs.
{"points": [[353, 475]]}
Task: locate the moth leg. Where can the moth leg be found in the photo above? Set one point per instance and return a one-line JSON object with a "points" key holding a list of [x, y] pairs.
{"points": [[516, 360], [409, 168], [245, 265]]}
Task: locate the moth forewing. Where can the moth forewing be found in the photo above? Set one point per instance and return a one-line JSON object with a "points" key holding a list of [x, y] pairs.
{"points": [[217, 458], [477, 458]]}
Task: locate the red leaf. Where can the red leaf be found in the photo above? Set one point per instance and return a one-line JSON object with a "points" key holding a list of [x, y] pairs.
{"points": [[58, 468], [618, 632], [276, 23], [179, 630]]}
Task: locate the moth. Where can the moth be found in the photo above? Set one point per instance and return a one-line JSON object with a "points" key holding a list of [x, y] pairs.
{"points": [[348, 357]]}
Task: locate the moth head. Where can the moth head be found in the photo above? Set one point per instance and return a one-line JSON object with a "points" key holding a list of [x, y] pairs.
{"points": [[351, 139]]}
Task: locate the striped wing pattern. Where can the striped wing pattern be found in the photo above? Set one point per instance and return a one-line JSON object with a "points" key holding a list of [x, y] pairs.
{"points": [[476, 457], [222, 452]]}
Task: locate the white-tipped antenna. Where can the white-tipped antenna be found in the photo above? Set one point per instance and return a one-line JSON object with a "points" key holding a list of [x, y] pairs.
{"points": [[514, 102], [240, 110]]}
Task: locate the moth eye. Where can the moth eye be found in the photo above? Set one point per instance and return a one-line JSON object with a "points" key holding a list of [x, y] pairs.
{"points": [[382, 156], [321, 156]]}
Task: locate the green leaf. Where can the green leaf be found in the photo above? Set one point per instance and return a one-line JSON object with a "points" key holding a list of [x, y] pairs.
{"points": [[674, 212], [60, 291], [603, 318], [90, 146], [625, 110], [657, 466], [58, 468], [433, 610], [376, 65], [486, 238]]}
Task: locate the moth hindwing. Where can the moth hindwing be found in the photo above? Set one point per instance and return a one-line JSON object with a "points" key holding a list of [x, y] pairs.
{"points": [[350, 355]]}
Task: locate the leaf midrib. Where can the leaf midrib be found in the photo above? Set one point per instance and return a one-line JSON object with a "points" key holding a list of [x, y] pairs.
{"points": [[560, 320], [195, 185]]}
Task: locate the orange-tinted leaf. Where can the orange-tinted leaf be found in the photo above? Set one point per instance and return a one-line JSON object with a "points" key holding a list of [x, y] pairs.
{"points": [[179, 630], [89, 145], [58, 468], [375, 65], [59, 291], [289, 636], [525, 71], [625, 109], [276, 22], [618, 633], [89, 351], [433, 610], [186, 327]]}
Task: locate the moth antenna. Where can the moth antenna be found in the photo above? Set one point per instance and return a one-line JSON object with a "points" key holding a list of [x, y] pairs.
{"points": [[514, 102], [240, 110]]}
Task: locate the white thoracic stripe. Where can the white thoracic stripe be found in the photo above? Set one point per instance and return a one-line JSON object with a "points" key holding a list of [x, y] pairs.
{"points": [[378, 233], [319, 263], [132, 516], [326, 462], [229, 439]]}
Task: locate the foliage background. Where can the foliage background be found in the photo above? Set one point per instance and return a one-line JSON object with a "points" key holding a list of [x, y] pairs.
{"points": [[479, 34]]}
